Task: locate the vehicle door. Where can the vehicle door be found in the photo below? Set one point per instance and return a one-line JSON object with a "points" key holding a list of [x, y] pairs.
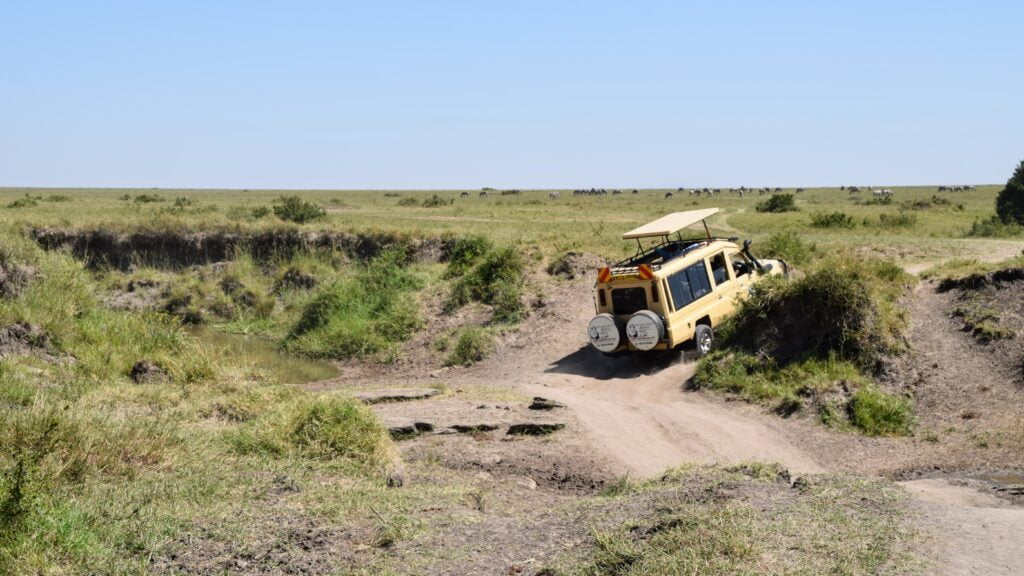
{"points": [[690, 298], [725, 286]]}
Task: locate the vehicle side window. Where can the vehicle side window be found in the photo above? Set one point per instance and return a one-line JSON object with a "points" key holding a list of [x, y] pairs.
{"points": [[689, 284], [718, 269], [740, 266]]}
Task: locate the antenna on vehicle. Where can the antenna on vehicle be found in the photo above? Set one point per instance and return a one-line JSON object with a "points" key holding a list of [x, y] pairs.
{"points": [[706, 229]]}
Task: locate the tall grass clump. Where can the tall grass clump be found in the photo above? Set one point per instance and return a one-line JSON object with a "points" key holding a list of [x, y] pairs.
{"points": [[777, 203], [295, 209], [789, 247], [801, 342], [367, 313], [471, 345], [994, 227], [498, 280], [322, 428], [832, 220], [465, 252]]}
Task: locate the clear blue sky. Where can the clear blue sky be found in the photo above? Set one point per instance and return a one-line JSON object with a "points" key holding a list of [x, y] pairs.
{"points": [[418, 94]]}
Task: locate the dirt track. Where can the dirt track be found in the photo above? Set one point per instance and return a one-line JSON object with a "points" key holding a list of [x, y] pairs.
{"points": [[648, 423], [642, 417]]}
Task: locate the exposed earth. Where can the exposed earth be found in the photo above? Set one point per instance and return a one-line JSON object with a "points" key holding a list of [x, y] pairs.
{"points": [[629, 417]]}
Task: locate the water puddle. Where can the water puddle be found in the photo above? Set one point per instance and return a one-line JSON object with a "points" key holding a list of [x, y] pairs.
{"points": [[1002, 478], [285, 367]]}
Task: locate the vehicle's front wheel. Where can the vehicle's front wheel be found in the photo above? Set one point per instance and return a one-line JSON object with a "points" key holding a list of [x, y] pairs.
{"points": [[704, 337]]}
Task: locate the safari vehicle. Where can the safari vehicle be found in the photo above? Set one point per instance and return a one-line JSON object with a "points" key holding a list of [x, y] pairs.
{"points": [[673, 290]]}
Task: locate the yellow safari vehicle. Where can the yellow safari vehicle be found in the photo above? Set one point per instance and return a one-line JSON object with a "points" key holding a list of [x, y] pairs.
{"points": [[673, 290]]}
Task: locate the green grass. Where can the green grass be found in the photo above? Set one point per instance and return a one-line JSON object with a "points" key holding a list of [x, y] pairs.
{"points": [[814, 342], [582, 224], [365, 314], [467, 345], [826, 525], [497, 279], [99, 474]]}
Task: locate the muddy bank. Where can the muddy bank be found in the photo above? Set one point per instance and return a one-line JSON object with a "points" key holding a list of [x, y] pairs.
{"points": [[175, 250]]}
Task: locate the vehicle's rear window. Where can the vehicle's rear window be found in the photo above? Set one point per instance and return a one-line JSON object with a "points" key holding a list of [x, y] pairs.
{"points": [[628, 300], [689, 284]]}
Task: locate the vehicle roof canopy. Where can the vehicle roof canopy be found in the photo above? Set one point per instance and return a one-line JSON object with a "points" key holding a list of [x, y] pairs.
{"points": [[670, 224]]}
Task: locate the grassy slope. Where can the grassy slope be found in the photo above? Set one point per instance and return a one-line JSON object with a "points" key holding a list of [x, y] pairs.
{"points": [[98, 474]]}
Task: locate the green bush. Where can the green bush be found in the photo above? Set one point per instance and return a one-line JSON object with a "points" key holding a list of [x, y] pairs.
{"points": [[845, 307], [148, 198], [408, 201], [497, 280], [832, 220], [25, 202], [994, 227], [295, 209], [472, 345], [789, 247], [898, 220], [879, 414], [365, 314], [777, 203], [436, 201], [465, 252], [1010, 201]]}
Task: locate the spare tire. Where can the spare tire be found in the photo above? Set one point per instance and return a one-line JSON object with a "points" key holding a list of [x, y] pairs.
{"points": [[605, 333], [645, 329]]}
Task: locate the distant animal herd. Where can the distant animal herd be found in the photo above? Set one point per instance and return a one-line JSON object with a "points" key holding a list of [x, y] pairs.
{"points": [[708, 192]]}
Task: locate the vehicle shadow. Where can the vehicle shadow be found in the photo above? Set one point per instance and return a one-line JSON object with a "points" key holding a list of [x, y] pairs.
{"points": [[590, 363]]}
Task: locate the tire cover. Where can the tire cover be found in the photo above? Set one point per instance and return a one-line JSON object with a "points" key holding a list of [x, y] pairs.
{"points": [[604, 333], [644, 330]]}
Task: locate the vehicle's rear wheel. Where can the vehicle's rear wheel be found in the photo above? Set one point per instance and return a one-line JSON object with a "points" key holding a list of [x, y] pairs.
{"points": [[704, 337]]}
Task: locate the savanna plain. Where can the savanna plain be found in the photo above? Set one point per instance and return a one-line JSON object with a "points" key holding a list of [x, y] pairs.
{"points": [[399, 382]]}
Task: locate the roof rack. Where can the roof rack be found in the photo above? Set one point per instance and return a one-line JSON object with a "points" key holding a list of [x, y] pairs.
{"points": [[664, 252], [671, 224]]}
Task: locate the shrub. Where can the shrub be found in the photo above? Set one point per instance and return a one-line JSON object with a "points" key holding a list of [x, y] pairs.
{"points": [[788, 246], [472, 345], [408, 201], [435, 201], [994, 227], [58, 198], [832, 220], [1010, 201], [777, 203], [497, 280], [325, 427], [844, 308], [148, 198], [898, 220], [295, 209], [879, 414], [25, 202], [465, 252]]}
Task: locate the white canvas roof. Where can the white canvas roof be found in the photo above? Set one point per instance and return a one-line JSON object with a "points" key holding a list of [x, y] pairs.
{"points": [[670, 224]]}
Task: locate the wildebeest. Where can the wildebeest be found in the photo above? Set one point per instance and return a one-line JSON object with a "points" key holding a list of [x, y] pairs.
{"points": [[464, 195], [668, 194], [616, 192], [483, 194], [635, 191], [799, 190]]}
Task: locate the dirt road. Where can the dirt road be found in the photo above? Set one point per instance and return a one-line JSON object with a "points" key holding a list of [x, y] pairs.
{"points": [[648, 423]]}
